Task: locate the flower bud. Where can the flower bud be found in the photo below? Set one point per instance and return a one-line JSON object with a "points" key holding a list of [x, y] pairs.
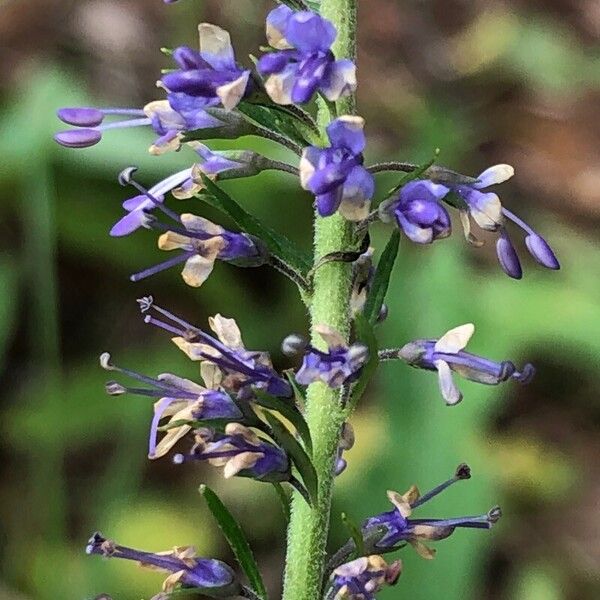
{"points": [[78, 138], [293, 344], [507, 256], [81, 117], [541, 251]]}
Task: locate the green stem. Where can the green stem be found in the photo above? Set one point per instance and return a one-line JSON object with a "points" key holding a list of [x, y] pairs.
{"points": [[309, 526]]}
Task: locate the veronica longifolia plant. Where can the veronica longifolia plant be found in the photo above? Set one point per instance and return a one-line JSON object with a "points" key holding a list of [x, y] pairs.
{"points": [[242, 415]]}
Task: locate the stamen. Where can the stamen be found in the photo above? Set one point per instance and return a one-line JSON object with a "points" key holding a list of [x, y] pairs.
{"points": [[108, 366], [162, 325], [145, 303], [462, 472], [517, 221], [181, 231], [507, 369], [124, 124], [476, 522], [526, 375], [125, 178], [171, 262], [115, 389]]}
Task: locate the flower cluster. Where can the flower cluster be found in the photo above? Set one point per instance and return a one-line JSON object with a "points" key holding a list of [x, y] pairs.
{"points": [[335, 175], [245, 415], [418, 211], [302, 62]]}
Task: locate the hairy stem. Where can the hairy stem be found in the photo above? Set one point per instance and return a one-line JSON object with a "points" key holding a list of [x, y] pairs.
{"points": [[309, 526]]}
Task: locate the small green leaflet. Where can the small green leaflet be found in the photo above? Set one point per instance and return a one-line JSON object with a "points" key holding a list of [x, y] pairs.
{"points": [[298, 455], [381, 281], [366, 335], [289, 411], [236, 539]]}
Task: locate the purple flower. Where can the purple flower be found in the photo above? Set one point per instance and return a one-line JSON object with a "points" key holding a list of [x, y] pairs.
{"points": [[139, 207], [339, 365], [335, 175], [161, 115], [394, 528], [211, 74], [208, 575], [178, 398], [224, 361], [362, 578], [447, 354], [487, 211], [228, 164], [201, 243], [240, 452], [303, 62], [418, 212]]}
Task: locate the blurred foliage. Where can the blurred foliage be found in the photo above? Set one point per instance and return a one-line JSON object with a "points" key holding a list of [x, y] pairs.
{"points": [[74, 460]]}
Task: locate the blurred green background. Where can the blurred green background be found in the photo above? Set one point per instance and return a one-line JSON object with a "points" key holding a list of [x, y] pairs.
{"points": [[486, 82]]}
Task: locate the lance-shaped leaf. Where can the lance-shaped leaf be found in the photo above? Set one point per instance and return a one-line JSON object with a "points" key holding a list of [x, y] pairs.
{"points": [[236, 539], [381, 280], [355, 534], [277, 244], [296, 452], [284, 499], [288, 411], [366, 335], [299, 391], [302, 4], [290, 122]]}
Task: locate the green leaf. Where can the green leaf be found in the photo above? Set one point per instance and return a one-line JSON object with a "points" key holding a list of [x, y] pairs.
{"points": [[298, 455], [288, 411], [292, 121], [236, 539], [284, 500], [277, 244], [366, 335], [381, 281], [355, 534], [313, 5], [299, 391], [277, 121]]}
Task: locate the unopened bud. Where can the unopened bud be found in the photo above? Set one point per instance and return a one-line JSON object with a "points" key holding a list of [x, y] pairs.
{"points": [[293, 344]]}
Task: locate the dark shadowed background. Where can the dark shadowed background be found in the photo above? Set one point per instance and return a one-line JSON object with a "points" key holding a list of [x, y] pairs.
{"points": [[486, 82]]}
